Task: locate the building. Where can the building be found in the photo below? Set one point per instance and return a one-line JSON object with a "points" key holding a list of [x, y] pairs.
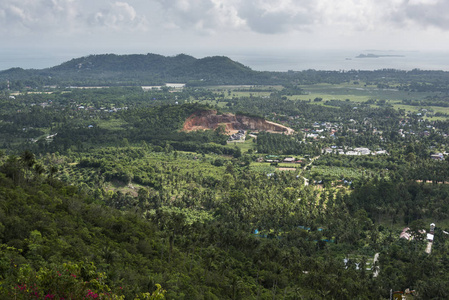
{"points": [[327, 150], [289, 160], [153, 87], [437, 156], [363, 151], [405, 234], [352, 153], [176, 87]]}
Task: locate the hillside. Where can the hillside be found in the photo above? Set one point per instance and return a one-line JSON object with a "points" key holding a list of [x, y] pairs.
{"points": [[57, 240], [151, 63], [140, 69]]}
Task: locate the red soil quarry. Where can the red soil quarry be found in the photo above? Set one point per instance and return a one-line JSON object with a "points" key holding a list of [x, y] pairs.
{"points": [[202, 120]]}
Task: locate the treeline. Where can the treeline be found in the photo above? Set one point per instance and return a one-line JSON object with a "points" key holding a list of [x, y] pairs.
{"points": [[434, 101], [272, 143], [153, 69], [384, 162], [399, 202]]}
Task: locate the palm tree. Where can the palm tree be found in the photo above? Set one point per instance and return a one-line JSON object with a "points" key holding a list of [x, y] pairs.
{"points": [[53, 171], [12, 168], [27, 158], [38, 170]]}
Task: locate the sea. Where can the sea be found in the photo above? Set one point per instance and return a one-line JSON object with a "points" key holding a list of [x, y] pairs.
{"points": [[269, 60], [344, 60]]}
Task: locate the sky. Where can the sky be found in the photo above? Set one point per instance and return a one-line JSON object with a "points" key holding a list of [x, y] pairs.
{"points": [[218, 27]]}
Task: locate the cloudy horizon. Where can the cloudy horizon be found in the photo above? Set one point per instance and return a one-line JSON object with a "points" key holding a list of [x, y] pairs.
{"points": [[216, 27]]}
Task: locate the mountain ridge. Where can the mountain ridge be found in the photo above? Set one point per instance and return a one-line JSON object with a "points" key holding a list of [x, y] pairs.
{"points": [[139, 69]]}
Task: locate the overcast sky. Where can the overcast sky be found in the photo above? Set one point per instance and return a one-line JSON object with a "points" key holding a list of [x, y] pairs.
{"points": [[211, 27]]}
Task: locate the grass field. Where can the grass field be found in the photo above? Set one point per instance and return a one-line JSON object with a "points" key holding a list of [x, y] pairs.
{"points": [[244, 146], [357, 93], [245, 90], [220, 103], [337, 172], [249, 94], [343, 92], [262, 167], [111, 124]]}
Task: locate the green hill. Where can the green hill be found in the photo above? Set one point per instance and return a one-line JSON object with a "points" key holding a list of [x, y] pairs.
{"points": [[140, 69], [151, 63]]}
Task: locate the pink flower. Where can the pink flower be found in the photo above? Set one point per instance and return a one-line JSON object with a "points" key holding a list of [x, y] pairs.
{"points": [[92, 295]]}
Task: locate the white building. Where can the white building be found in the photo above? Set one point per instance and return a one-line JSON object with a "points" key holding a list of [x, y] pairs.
{"points": [[363, 151]]}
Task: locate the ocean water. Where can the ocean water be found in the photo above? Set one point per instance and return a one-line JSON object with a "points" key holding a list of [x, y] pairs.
{"points": [[344, 60], [18, 58], [261, 60]]}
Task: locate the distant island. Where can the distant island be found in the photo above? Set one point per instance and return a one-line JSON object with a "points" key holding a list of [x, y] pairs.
{"points": [[370, 55]]}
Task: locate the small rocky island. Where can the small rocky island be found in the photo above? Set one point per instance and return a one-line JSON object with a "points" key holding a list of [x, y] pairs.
{"points": [[370, 55]]}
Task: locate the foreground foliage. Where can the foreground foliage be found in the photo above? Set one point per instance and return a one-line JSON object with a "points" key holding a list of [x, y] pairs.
{"points": [[59, 241]]}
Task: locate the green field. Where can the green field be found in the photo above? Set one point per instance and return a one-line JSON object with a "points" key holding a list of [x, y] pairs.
{"points": [[337, 172], [327, 92], [244, 146], [357, 93], [232, 91], [262, 167], [360, 94], [111, 124]]}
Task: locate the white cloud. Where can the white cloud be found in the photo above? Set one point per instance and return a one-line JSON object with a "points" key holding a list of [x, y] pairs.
{"points": [[67, 16], [276, 16], [426, 13], [216, 16], [425, 2], [222, 22], [26, 16], [203, 16], [254, 15], [119, 16]]}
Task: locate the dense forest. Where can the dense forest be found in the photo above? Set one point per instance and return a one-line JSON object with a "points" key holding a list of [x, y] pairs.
{"points": [[104, 195], [193, 234]]}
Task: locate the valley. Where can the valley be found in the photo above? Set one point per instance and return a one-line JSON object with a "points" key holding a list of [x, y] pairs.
{"points": [[131, 193]]}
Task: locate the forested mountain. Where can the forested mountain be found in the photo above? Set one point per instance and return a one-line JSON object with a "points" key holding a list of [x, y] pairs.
{"points": [[149, 69], [152, 63]]}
